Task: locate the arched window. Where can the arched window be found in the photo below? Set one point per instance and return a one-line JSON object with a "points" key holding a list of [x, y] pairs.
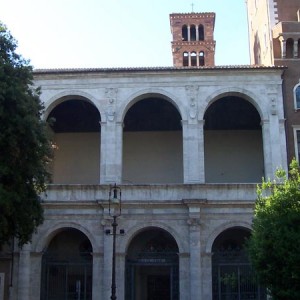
{"points": [[185, 59], [193, 33], [184, 33], [193, 59], [297, 96], [289, 48], [201, 59], [201, 32]]}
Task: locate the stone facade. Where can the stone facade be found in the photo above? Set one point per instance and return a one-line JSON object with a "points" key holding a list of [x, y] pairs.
{"points": [[185, 213]]}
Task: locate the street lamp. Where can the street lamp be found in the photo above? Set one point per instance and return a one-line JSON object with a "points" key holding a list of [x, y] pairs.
{"points": [[114, 207]]}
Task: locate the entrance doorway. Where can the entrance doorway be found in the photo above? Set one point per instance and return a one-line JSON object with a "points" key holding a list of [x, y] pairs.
{"points": [[67, 267], [152, 267]]}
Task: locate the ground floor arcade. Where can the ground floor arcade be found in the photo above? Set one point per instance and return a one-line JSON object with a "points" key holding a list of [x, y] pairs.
{"points": [[189, 248]]}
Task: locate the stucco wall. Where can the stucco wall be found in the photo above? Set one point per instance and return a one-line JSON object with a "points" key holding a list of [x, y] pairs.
{"points": [[77, 158], [233, 156], [152, 157]]}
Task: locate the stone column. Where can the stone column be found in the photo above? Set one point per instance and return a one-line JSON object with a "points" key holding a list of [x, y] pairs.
{"points": [[97, 275], [190, 59], [267, 148], [24, 273], [295, 48], [111, 152], [107, 262], [197, 32], [207, 276], [111, 142], [189, 32], [193, 140], [184, 289], [283, 47], [195, 258]]}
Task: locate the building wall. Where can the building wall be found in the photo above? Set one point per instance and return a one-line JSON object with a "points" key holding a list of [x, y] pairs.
{"points": [[194, 207]]}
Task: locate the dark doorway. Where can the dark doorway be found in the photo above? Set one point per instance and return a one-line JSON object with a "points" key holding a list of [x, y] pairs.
{"points": [[158, 287], [67, 267], [233, 277], [152, 267]]}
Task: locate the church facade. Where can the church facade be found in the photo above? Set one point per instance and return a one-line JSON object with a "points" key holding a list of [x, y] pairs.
{"points": [[186, 145]]}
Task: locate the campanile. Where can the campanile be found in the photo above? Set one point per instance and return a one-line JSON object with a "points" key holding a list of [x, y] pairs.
{"points": [[193, 43]]}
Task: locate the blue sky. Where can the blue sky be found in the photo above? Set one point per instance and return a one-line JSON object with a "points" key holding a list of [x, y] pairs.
{"points": [[116, 33]]}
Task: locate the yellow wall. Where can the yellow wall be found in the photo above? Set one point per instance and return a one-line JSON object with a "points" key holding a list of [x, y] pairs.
{"points": [[233, 156], [77, 159], [152, 157]]}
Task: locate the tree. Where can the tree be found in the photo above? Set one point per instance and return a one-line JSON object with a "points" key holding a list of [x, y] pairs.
{"points": [[274, 246], [25, 147]]}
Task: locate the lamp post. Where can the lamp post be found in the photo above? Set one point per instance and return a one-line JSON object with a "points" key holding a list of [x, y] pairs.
{"points": [[114, 211]]}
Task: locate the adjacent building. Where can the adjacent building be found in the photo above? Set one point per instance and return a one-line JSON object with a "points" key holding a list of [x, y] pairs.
{"points": [[274, 30]]}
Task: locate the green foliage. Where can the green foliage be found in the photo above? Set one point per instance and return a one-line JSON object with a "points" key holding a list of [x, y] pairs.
{"points": [[274, 246], [25, 148]]}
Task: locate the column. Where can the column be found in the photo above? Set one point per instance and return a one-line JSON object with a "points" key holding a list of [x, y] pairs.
{"points": [[97, 275], [111, 152], [283, 47], [207, 276], [190, 59], [184, 277], [195, 257], [107, 262], [189, 32], [193, 151], [24, 273], [295, 48], [197, 32], [198, 63], [267, 148]]}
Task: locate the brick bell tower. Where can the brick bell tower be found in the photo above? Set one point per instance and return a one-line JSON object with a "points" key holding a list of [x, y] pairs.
{"points": [[193, 42]]}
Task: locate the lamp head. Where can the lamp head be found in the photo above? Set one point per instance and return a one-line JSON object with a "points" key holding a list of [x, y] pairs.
{"points": [[115, 201]]}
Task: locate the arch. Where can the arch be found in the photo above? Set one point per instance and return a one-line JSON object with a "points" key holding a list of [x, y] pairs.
{"points": [[193, 59], [185, 59], [152, 265], [217, 231], [289, 48], [201, 58], [201, 32], [193, 33], [67, 95], [139, 228], [47, 235], [184, 33], [232, 272], [152, 140], [67, 266], [233, 91], [147, 93], [296, 92]]}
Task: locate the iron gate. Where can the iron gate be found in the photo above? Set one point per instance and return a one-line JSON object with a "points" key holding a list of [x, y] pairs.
{"points": [[233, 277], [66, 280]]}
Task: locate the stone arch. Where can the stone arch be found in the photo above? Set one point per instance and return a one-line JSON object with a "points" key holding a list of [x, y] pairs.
{"points": [[67, 265], [47, 235], [152, 134], [146, 93], [233, 91], [139, 228], [66, 95], [152, 257], [217, 231]]}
